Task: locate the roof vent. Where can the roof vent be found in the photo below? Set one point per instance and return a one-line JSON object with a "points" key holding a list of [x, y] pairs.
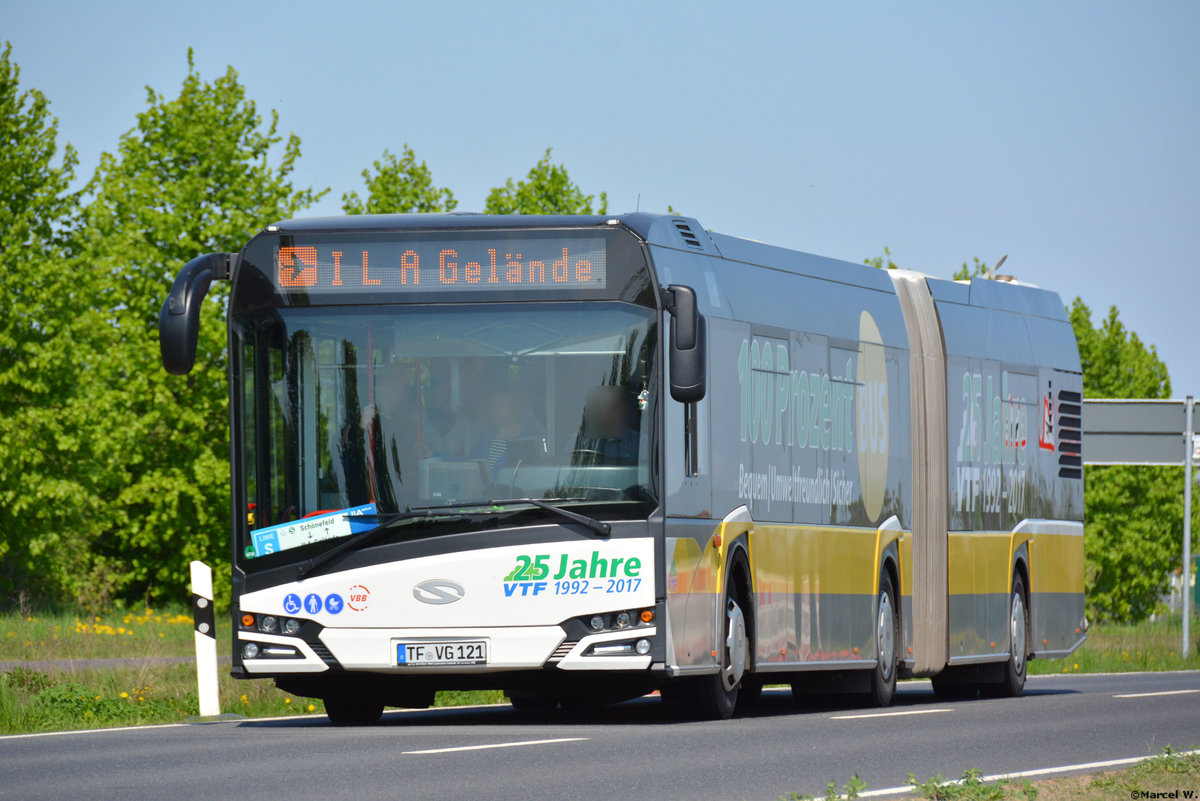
{"points": [[688, 236]]}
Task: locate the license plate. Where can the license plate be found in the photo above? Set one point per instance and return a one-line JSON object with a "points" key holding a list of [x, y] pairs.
{"points": [[459, 652]]}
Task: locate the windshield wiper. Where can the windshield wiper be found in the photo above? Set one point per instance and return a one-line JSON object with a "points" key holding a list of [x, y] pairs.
{"points": [[598, 526], [457, 510]]}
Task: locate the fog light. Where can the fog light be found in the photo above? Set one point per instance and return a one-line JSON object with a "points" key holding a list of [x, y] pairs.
{"points": [[622, 619], [291, 626], [597, 622], [642, 647], [268, 623], [250, 651]]}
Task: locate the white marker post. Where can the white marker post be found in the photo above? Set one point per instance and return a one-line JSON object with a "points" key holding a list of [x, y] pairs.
{"points": [[206, 639], [1189, 447]]}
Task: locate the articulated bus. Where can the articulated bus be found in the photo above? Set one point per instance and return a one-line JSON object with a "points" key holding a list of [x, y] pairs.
{"points": [[578, 459]]}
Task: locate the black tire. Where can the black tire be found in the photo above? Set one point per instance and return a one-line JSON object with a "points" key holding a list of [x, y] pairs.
{"points": [[347, 709], [750, 692], [887, 643], [715, 697], [533, 703], [953, 691], [1013, 682]]}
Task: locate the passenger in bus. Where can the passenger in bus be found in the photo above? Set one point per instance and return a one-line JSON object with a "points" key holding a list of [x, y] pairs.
{"points": [[610, 433], [399, 434], [509, 420]]}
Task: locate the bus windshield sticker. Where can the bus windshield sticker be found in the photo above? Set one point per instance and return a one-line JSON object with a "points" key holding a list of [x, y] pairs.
{"points": [[522, 264], [318, 527]]}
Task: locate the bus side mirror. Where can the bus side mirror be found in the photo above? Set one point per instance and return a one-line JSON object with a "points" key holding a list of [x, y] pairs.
{"points": [[689, 338], [179, 319]]}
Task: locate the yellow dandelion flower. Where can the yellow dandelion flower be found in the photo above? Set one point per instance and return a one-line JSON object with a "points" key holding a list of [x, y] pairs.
{"points": [[97, 698], [310, 707], [245, 700], [140, 698], [1075, 666], [124, 694], [160, 634], [287, 700]]}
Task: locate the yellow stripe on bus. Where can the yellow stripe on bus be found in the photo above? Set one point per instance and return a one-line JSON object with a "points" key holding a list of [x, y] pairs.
{"points": [[789, 558]]}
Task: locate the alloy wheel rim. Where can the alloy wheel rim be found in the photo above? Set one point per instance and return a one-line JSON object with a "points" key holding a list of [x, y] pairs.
{"points": [[885, 636], [736, 650], [1017, 630]]}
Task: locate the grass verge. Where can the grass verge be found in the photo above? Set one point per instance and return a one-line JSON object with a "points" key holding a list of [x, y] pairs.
{"points": [[1170, 774], [144, 691], [1121, 648]]}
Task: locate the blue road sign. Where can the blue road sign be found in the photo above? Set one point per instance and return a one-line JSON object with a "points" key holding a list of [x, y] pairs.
{"points": [[312, 603], [333, 603], [291, 603]]}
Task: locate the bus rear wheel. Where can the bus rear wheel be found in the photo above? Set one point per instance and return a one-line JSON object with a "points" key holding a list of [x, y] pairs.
{"points": [[1012, 684], [349, 709], [715, 697]]}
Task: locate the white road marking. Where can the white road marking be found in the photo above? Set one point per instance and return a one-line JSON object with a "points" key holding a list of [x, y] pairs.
{"points": [[92, 731], [1029, 774], [890, 714], [389, 713], [495, 745], [1160, 692]]}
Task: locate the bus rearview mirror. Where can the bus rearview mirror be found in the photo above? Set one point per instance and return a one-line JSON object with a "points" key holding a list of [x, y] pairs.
{"points": [[688, 352], [179, 319]]}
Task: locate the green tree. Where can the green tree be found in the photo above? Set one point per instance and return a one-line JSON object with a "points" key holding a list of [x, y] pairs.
{"points": [[399, 185], [196, 174], [883, 262], [38, 301], [969, 271], [547, 189], [1133, 516]]}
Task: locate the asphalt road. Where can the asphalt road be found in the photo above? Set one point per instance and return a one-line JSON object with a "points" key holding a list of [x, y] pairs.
{"points": [[633, 751]]}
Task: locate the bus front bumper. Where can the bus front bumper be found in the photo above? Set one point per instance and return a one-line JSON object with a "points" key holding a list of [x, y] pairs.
{"points": [[509, 648]]}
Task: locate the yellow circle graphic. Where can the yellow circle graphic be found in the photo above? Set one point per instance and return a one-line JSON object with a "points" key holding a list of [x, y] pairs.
{"points": [[873, 416]]}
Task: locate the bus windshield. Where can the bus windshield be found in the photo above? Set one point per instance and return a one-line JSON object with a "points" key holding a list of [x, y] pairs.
{"points": [[387, 409]]}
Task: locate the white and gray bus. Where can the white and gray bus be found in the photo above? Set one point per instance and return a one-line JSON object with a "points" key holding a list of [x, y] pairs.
{"points": [[582, 458]]}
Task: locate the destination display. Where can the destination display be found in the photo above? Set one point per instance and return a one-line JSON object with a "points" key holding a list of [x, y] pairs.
{"points": [[414, 266]]}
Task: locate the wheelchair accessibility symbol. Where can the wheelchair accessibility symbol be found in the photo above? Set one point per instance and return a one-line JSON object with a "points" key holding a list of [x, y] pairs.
{"points": [[291, 603]]}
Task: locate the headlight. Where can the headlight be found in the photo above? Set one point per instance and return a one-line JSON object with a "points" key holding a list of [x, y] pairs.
{"points": [[642, 647], [291, 626], [250, 650], [597, 622], [622, 620], [268, 623]]}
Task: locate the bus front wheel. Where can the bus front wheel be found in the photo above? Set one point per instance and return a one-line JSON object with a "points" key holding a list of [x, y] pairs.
{"points": [[715, 697]]}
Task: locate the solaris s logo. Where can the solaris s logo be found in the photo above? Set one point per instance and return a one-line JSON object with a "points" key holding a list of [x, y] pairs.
{"points": [[438, 591]]}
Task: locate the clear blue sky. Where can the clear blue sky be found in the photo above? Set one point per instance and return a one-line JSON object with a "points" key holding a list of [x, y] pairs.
{"points": [[1064, 134]]}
